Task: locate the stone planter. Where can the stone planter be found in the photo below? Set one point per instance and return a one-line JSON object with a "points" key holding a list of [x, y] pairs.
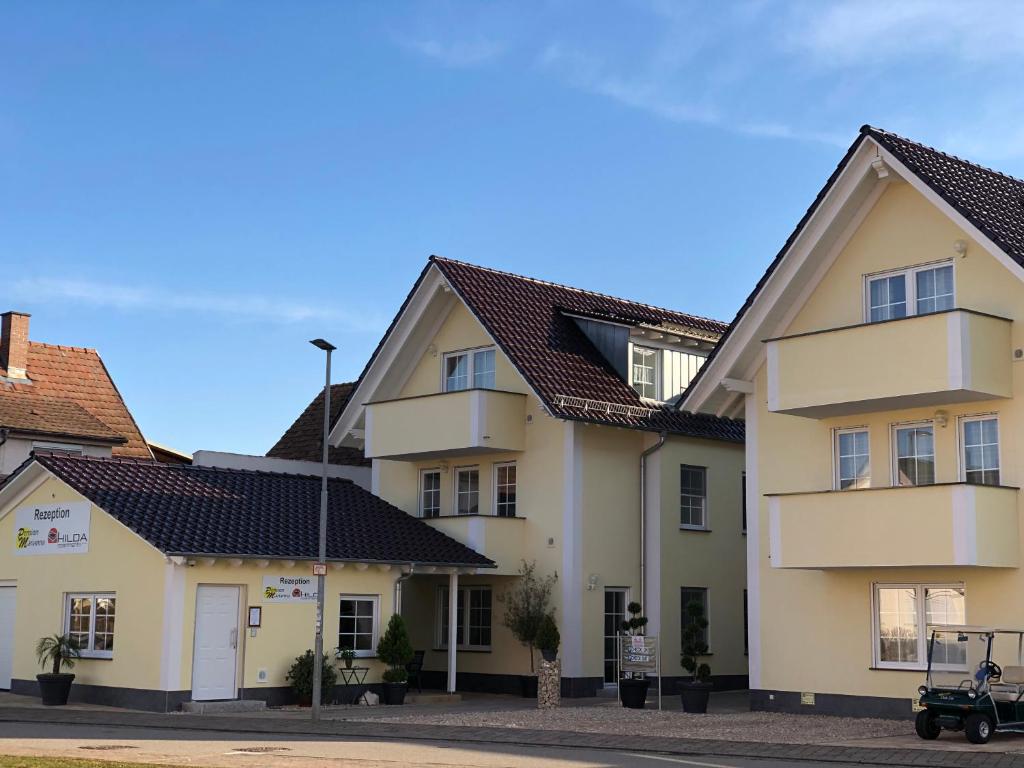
{"points": [[549, 685]]}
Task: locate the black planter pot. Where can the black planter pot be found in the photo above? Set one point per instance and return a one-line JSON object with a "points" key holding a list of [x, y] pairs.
{"points": [[394, 693], [633, 692], [529, 686], [549, 655], [695, 697], [55, 689]]}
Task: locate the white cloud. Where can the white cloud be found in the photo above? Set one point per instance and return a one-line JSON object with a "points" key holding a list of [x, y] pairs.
{"points": [[130, 298], [459, 54]]}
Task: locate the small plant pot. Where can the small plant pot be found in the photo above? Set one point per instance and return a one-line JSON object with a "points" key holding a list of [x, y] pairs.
{"points": [[695, 697], [394, 693], [549, 655], [633, 692], [528, 685], [55, 689], [348, 663]]}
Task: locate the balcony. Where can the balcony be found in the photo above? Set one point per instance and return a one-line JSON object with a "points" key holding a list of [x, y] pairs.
{"points": [[929, 525], [450, 423], [499, 538], [927, 360]]}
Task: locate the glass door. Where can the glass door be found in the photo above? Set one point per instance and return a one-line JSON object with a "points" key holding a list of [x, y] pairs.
{"points": [[615, 599]]}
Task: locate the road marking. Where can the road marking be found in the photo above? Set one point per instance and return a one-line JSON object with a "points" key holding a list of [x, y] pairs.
{"points": [[680, 761]]}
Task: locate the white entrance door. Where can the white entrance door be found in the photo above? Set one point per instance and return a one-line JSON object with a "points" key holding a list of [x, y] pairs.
{"points": [[215, 652], [7, 595]]}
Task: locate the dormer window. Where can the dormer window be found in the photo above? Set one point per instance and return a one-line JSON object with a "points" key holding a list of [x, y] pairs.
{"points": [[472, 368], [645, 371]]}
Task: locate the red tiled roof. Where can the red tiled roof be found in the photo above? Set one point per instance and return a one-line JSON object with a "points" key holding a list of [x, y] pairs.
{"points": [[22, 412], [303, 441], [76, 375]]}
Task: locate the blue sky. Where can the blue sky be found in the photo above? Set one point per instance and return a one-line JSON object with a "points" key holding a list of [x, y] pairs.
{"points": [[197, 188]]}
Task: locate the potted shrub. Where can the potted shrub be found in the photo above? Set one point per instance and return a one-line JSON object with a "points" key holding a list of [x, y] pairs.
{"points": [[395, 650], [633, 689], [526, 605], [695, 691], [548, 638], [301, 678], [57, 651], [347, 655]]}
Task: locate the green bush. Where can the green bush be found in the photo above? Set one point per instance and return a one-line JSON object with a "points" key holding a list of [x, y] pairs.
{"points": [[395, 650], [636, 623], [301, 678], [395, 675], [548, 638], [694, 647]]}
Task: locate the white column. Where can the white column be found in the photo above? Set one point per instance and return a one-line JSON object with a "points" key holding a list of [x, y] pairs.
{"points": [[453, 601]]}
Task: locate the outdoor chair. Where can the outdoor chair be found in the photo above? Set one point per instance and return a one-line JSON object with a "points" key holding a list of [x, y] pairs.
{"points": [[414, 669]]}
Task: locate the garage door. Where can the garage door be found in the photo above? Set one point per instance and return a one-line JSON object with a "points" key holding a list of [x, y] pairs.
{"points": [[6, 636]]}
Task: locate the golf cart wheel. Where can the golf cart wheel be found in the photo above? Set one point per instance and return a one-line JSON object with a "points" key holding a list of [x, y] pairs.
{"points": [[978, 728], [927, 725]]}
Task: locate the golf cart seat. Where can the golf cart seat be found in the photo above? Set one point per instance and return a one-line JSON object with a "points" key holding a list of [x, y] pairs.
{"points": [[1011, 686]]}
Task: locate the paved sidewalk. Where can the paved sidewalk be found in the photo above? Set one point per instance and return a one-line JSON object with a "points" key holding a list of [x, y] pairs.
{"points": [[997, 754]]}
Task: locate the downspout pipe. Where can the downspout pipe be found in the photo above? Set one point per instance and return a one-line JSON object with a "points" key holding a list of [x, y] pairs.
{"points": [[398, 587], [643, 515]]}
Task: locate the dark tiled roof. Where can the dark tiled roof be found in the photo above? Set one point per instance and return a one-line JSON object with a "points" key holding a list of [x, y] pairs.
{"points": [[527, 319], [189, 510], [304, 439], [52, 416], [78, 375]]}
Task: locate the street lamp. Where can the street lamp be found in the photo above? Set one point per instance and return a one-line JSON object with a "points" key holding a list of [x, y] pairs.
{"points": [[318, 645]]}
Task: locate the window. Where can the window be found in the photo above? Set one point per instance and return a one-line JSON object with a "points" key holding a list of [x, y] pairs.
{"points": [[472, 368], [505, 490], [981, 450], [689, 595], [915, 291], [430, 493], [645, 371], [915, 454], [89, 618], [853, 460], [467, 491], [692, 496], [357, 623], [903, 613], [474, 624]]}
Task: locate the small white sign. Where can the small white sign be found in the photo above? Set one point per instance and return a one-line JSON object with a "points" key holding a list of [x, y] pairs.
{"points": [[289, 589], [319, 569], [52, 529]]}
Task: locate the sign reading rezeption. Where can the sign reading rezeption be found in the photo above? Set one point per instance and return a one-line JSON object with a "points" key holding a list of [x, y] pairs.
{"points": [[52, 529], [289, 589]]}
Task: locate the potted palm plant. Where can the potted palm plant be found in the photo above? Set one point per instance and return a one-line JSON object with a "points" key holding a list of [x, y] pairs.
{"points": [[696, 691], [633, 689], [395, 650], [526, 605], [58, 651], [548, 638]]}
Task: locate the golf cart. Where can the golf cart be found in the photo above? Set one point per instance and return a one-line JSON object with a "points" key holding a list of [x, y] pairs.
{"points": [[965, 690]]}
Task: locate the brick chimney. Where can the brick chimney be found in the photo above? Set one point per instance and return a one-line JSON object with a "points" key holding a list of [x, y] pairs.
{"points": [[14, 344]]}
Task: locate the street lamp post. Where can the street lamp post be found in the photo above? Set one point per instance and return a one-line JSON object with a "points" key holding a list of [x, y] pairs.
{"points": [[318, 645]]}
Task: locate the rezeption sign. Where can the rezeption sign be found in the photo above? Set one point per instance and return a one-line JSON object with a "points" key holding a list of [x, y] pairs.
{"points": [[52, 529]]}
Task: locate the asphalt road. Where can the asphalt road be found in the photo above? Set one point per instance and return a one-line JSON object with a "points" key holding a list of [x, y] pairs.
{"points": [[244, 750]]}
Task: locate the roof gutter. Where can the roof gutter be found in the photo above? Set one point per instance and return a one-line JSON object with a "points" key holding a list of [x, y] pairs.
{"points": [[643, 515]]}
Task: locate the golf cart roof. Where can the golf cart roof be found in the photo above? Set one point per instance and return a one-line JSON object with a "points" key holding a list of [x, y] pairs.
{"points": [[971, 629]]}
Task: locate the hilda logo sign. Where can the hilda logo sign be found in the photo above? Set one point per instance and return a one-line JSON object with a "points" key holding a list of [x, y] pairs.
{"points": [[289, 589], [52, 529]]}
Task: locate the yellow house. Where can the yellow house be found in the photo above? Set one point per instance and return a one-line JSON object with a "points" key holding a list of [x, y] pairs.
{"points": [[535, 422], [194, 583], [878, 366]]}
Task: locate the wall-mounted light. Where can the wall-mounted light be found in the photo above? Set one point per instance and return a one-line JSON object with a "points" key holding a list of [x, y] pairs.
{"points": [[432, 350], [942, 418], [960, 246], [443, 466], [592, 582]]}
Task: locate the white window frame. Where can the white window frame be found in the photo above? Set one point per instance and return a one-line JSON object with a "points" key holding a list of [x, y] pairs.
{"points": [[455, 490], [836, 481], [494, 488], [375, 599], [659, 352], [441, 638], [705, 525], [89, 652], [922, 626], [470, 355], [962, 443], [423, 473], [894, 450], [910, 280]]}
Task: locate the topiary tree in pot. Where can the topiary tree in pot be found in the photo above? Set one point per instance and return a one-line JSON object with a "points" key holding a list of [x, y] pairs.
{"points": [[300, 676], [57, 651], [633, 685], [395, 650], [526, 605], [696, 691], [548, 638]]}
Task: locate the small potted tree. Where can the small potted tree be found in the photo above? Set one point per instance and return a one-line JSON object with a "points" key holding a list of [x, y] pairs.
{"points": [[57, 651], [548, 638], [696, 691], [395, 650], [526, 605], [633, 689], [347, 655], [301, 678]]}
